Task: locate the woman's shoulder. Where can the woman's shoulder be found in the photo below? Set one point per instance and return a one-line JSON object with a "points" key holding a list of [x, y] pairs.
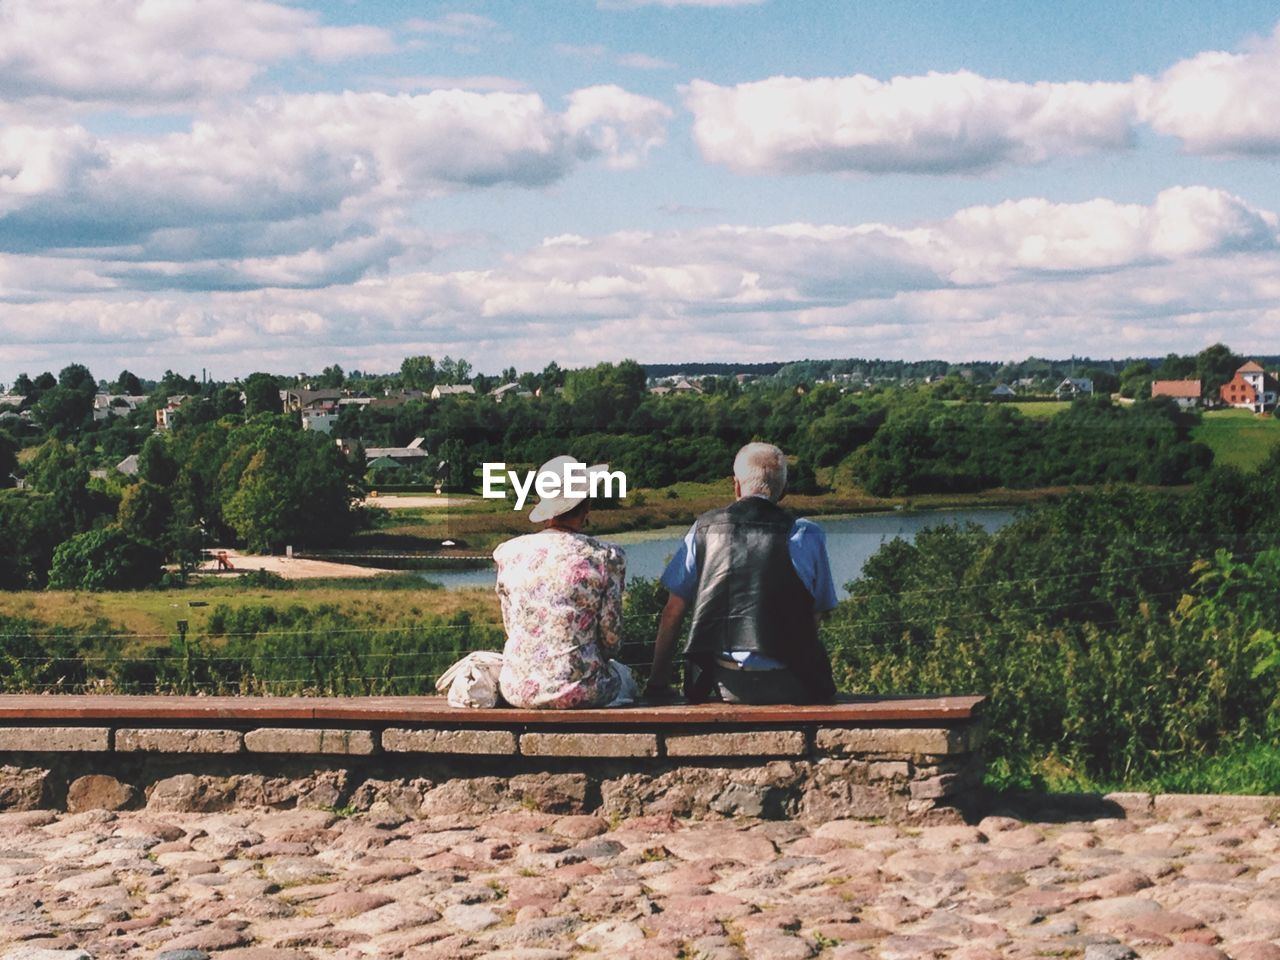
{"points": [[516, 547], [608, 553]]}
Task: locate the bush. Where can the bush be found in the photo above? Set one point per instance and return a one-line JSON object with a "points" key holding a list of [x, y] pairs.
{"points": [[104, 559]]}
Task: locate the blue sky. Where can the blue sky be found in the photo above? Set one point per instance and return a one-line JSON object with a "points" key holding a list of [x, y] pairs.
{"points": [[243, 185]]}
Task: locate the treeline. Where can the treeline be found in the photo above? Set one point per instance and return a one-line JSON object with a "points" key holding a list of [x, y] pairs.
{"points": [[929, 447], [1120, 634]]}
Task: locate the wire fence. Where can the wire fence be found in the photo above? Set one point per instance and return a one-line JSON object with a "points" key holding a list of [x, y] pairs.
{"points": [[322, 657]]}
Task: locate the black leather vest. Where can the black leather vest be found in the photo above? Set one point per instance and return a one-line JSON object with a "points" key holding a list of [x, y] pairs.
{"points": [[749, 595]]}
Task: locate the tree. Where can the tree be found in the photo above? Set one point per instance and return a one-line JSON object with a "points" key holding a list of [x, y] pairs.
{"points": [[23, 385], [156, 464], [76, 376], [286, 486], [66, 408], [1135, 380], [331, 377], [418, 373], [128, 384], [104, 559], [261, 394], [1215, 366], [8, 458]]}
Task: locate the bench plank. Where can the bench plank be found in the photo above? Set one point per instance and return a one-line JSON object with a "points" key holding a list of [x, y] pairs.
{"points": [[848, 711]]}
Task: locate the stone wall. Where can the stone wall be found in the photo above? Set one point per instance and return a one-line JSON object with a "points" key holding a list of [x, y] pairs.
{"points": [[806, 771]]}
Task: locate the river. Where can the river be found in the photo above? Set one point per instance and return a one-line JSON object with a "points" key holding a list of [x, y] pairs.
{"points": [[851, 541]]}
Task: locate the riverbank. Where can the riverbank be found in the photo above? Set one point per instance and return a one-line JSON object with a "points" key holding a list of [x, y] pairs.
{"points": [[478, 526]]}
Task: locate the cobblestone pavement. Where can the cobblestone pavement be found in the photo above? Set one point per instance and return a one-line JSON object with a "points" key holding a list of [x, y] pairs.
{"points": [[306, 883]]}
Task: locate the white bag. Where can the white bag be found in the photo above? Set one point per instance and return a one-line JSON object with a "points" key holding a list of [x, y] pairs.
{"points": [[473, 680], [628, 688]]}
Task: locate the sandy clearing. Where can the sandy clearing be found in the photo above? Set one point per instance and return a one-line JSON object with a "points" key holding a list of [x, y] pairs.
{"points": [[418, 501], [289, 568]]}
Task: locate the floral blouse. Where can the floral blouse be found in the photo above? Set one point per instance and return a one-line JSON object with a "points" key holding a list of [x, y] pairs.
{"points": [[561, 596]]}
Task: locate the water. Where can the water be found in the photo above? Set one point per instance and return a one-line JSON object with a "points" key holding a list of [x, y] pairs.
{"points": [[851, 542]]}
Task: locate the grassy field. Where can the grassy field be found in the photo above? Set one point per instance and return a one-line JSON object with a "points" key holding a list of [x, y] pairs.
{"points": [[1239, 438], [152, 614], [1047, 408]]}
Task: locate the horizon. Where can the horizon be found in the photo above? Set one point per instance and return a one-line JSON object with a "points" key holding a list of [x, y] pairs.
{"points": [[243, 185]]}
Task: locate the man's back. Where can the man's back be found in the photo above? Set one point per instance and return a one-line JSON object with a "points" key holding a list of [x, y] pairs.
{"points": [[750, 598]]}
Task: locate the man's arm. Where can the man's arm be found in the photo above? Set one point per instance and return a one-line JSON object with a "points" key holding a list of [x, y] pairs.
{"points": [[664, 646]]}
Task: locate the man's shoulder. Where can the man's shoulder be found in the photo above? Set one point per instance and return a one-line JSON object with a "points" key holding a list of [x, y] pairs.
{"points": [[806, 529]]}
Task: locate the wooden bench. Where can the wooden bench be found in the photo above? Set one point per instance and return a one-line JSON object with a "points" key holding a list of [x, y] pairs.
{"points": [[898, 758]]}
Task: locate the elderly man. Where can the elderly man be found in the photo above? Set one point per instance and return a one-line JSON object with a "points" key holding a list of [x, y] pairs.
{"points": [[758, 581]]}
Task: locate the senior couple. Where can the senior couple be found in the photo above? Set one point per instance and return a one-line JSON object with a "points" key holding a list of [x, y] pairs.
{"points": [[756, 579]]}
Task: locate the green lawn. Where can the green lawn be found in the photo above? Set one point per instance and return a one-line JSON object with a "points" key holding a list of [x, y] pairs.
{"points": [[1046, 408], [1239, 438]]}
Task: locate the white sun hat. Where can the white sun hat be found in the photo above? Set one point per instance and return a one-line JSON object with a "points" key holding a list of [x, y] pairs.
{"points": [[550, 507]]}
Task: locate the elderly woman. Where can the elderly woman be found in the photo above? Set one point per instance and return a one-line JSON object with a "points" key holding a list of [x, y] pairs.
{"points": [[561, 595]]}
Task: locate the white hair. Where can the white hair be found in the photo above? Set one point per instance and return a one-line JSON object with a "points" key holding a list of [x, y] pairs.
{"points": [[761, 468]]}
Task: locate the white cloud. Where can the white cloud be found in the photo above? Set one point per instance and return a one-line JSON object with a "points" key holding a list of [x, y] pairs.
{"points": [[1219, 103], [946, 123], [291, 175], [1021, 277], [939, 123], [157, 53], [484, 82]]}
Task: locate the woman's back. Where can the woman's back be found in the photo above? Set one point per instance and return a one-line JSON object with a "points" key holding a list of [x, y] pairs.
{"points": [[561, 596]]}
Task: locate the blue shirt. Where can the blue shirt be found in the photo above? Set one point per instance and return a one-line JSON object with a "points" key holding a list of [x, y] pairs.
{"points": [[807, 545]]}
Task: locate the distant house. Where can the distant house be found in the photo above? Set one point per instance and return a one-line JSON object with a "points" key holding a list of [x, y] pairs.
{"points": [[301, 400], [321, 421], [1003, 391], [115, 405], [452, 390], [164, 415], [401, 456], [11, 400], [1186, 393], [509, 390], [1252, 388], [128, 466], [679, 385], [1073, 387]]}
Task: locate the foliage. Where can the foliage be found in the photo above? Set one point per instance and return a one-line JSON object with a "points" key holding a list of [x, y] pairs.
{"points": [[105, 559], [1120, 634], [930, 447]]}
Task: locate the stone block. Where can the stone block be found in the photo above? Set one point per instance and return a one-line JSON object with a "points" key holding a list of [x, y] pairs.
{"points": [[889, 770], [188, 793], [164, 740], [295, 740], [489, 742], [589, 744], [23, 788], [745, 743], [935, 787], [54, 739], [894, 742], [99, 792]]}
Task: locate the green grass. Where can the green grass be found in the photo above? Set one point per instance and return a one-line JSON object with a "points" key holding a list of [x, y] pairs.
{"points": [[1238, 438], [157, 612], [1248, 768], [1047, 408]]}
